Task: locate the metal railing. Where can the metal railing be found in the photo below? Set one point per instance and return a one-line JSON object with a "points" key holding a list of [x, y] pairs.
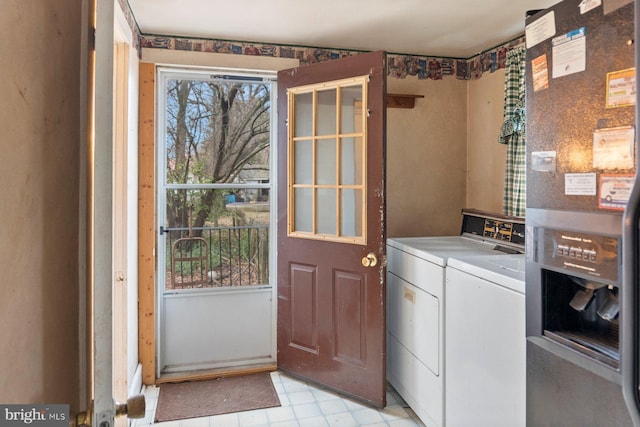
{"points": [[213, 257]]}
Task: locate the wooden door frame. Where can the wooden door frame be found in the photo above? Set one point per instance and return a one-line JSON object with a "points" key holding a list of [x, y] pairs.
{"points": [[148, 240]]}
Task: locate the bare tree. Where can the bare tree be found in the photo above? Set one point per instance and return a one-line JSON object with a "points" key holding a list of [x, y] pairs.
{"points": [[215, 130]]}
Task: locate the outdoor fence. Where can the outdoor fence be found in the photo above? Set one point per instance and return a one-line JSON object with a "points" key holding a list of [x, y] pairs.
{"points": [[213, 257]]}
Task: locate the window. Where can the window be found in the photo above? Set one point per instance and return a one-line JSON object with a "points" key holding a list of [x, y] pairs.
{"points": [[215, 163], [327, 144]]}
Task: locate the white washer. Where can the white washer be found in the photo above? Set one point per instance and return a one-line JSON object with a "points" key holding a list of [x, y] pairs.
{"points": [[415, 317], [485, 348]]}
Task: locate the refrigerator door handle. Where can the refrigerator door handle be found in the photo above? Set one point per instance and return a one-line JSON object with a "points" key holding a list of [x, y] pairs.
{"points": [[630, 315]]}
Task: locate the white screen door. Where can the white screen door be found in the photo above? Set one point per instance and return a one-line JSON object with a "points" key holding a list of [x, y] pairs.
{"points": [[216, 299]]}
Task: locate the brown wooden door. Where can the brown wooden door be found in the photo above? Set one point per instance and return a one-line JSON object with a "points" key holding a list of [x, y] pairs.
{"points": [[331, 217]]}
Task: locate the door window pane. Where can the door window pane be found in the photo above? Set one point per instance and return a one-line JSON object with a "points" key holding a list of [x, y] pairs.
{"points": [[351, 161], [196, 129], [304, 210], [326, 164], [351, 109], [326, 109], [303, 114], [326, 211], [216, 237], [351, 212], [215, 209], [303, 162]]}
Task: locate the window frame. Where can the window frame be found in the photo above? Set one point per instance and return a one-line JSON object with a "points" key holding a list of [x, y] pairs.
{"points": [[361, 81], [163, 75]]}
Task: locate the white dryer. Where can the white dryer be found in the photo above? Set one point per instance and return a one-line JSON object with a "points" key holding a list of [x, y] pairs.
{"points": [[416, 274]]}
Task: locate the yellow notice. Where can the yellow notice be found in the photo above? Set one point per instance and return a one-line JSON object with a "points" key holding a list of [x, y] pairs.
{"points": [[621, 88]]}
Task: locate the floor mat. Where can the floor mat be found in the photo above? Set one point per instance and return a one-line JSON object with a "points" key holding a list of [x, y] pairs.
{"points": [[195, 399]]}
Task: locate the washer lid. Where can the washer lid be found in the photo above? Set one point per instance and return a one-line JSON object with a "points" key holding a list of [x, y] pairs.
{"points": [[439, 249], [503, 270]]}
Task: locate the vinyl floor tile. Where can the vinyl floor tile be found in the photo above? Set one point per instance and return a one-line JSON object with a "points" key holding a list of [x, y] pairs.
{"points": [[302, 405]]}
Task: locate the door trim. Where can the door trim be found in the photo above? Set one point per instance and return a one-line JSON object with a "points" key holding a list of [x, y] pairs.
{"points": [[146, 224], [101, 216]]}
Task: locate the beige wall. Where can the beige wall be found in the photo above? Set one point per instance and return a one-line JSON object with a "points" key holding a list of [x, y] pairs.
{"points": [[426, 158], [485, 156], [39, 118], [443, 155]]}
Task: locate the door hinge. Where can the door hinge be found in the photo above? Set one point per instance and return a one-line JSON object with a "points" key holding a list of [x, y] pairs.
{"points": [[92, 38]]}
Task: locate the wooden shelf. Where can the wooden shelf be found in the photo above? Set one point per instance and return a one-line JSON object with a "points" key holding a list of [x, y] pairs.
{"points": [[396, 100]]}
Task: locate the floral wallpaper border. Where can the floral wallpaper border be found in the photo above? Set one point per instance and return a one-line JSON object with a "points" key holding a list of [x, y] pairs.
{"points": [[399, 66]]}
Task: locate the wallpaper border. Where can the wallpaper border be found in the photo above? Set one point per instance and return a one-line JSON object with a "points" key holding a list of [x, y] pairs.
{"points": [[399, 66]]}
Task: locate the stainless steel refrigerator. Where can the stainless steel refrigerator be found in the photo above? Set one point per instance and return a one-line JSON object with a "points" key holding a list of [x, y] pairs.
{"points": [[581, 165]]}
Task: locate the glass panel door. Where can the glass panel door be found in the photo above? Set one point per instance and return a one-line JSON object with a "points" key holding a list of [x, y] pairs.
{"points": [[215, 220]]}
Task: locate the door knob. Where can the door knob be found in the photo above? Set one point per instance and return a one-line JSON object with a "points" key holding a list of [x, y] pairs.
{"points": [[134, 408], [370, 260]]}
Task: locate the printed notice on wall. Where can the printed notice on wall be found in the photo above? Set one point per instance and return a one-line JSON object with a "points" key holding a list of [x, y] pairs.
{"points": [[587, 5], [615, 191], [540, 73], [621, 88], [569, 53], [613, 148], [543, 161], [580, 184], [540, 30]]}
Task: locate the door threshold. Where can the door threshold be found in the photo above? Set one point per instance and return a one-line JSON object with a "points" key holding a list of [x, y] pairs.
{"points": [[210, 374]]}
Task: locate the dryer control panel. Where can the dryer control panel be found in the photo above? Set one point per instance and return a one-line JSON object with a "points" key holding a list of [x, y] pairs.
{"points": [[494, 226]]}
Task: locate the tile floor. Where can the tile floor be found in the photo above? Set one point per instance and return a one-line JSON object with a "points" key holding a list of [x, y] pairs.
{"points": [[303, 405]]}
